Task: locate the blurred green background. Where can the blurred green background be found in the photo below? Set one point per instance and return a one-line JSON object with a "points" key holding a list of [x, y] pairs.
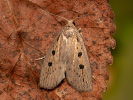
{"points": [[120, 84]]}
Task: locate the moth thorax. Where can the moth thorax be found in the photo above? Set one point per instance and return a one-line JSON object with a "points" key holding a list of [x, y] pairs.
{"points": [[69, 33]]}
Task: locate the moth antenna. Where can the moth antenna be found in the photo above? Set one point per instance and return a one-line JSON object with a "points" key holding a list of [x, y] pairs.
{"points": [[71, 20], [57, 15], [80, 17]]}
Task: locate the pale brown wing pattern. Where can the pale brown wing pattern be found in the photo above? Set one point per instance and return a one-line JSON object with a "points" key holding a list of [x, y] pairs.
{"points": [[78, 72], [52, 71]]}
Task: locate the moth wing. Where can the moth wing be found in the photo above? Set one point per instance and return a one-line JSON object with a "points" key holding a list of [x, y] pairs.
{"points": [[78, 73], [52, 72]]}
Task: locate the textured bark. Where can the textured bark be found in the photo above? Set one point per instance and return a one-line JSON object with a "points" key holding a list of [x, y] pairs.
{"points": [[27, 30]]}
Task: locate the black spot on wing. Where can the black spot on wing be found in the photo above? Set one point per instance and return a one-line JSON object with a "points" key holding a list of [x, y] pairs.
{"points": [[53, 52], [77, 40], [58, 38], [49, 63], [74, 23], [81, 66], [79, 54], [83, 79]]}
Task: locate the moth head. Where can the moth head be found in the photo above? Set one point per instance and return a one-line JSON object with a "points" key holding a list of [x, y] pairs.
{"points": [[70, 23]]}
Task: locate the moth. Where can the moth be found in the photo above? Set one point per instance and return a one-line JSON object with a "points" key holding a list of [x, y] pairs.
{"points": [[67, 57]]}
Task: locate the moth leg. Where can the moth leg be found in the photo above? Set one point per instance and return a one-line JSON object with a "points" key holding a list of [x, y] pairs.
{"points": [[40, 58]]}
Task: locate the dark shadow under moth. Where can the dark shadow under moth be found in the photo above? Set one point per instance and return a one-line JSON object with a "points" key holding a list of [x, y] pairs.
{"points": [[67, 57]]}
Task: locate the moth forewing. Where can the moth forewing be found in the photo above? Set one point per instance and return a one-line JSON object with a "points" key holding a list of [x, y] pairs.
{"points": [[78, 73], [52, 73]]}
